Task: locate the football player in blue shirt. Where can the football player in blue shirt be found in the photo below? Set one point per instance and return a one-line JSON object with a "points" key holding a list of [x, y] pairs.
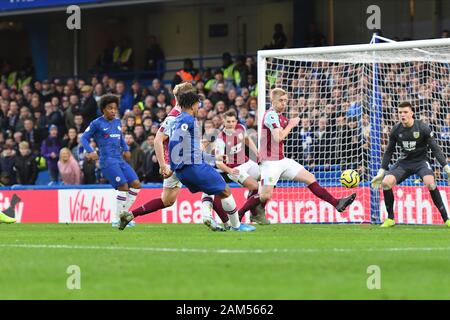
{"points": [[107, 133], [189, 163]]}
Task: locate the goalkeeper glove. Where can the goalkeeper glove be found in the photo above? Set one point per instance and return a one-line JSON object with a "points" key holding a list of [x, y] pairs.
{"points": [[376, 181], [447, 171]]}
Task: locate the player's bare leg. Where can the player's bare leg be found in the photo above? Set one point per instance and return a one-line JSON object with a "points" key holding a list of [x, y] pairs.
{"points": [[430, 183], [308, 178], [387, 184]]}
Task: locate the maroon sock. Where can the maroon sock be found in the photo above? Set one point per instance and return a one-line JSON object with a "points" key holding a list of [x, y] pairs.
{"points": [[251, 193], [322, 193], [151, 206], [250, 204], [217, 206]]}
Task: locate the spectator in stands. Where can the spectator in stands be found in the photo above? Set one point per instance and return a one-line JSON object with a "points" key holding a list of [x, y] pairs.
{"points": [[231, 74], [89, 168], [250, 67], [68, 167], [445, 34], [161, 101], [232, 95], [149, 144], [53, 116], [187, 74], [18, 138], [72, 109], [219, 94], [136, 92], [70, 141], [25, 165], [79, 123], [24, 114], [12, 115], [156, 89], [218, 122], [32, 135], [154, 58], [160, 116], [123, 56], [50, 151], [139, 134], [137, 155], [88, 104], [126, 99], [279, 39], [99, 91], [147, 124], [7, 160]]}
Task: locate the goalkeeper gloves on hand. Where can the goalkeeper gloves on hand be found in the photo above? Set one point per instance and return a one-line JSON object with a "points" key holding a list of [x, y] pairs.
{"points": [[447, 171], [376, 181]]}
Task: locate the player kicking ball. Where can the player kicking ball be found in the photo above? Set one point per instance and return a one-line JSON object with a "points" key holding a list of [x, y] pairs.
{"points": [[230, 144], [171, 184], [274, 166], [188, 162], [107, 133], [414, 138]]}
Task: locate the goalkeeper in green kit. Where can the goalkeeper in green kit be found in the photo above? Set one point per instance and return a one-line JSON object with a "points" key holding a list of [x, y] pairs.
{"points": [[414, 138]]}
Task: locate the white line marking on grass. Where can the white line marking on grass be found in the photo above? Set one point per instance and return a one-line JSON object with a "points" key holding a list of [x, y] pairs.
{"points": [[221, 251]]}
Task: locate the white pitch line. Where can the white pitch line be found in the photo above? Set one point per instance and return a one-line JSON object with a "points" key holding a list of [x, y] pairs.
{"points": [[221, 251]]}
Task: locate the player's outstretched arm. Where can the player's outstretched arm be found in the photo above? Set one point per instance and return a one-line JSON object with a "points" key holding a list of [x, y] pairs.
{"points": [[378, 179]]}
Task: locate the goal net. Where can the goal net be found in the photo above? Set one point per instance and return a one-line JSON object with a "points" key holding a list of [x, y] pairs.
{"points": [[346, 97]]}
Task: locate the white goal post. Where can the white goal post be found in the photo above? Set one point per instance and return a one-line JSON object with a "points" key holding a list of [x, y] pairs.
{"points": [[346, 97]]}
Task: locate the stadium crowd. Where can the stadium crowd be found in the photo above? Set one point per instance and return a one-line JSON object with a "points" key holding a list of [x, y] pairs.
{"points": [[41, 122]]}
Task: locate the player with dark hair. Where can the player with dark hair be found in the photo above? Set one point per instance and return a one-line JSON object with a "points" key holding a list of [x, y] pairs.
{"points": [[190, 165], [414, 138], [171, 184], [107, 133]]}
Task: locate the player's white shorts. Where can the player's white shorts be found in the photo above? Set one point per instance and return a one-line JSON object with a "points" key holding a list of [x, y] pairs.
{"points": [[172, 182], [248, 169], [284, 169]]}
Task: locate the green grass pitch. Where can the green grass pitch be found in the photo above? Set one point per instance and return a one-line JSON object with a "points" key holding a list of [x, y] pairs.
{"points": [[191, 262]]}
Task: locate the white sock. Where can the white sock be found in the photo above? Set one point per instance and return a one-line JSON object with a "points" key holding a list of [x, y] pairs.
{"points": [[229, 205], [121, 203], [207, 206], [131, 197]]}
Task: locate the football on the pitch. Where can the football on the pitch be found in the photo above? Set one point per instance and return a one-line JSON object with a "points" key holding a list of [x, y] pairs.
{"points": [[350, 178]]}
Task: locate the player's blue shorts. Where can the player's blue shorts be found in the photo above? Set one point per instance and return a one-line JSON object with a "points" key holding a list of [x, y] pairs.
{"points": [[119, 174], [201, 177]]}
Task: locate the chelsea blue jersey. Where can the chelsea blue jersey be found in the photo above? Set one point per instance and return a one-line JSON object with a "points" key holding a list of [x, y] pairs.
{"points": [[109, 139], [184, 143]]}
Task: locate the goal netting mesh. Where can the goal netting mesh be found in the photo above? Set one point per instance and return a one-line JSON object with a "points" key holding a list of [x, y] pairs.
{"points": [[347, 100]]}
